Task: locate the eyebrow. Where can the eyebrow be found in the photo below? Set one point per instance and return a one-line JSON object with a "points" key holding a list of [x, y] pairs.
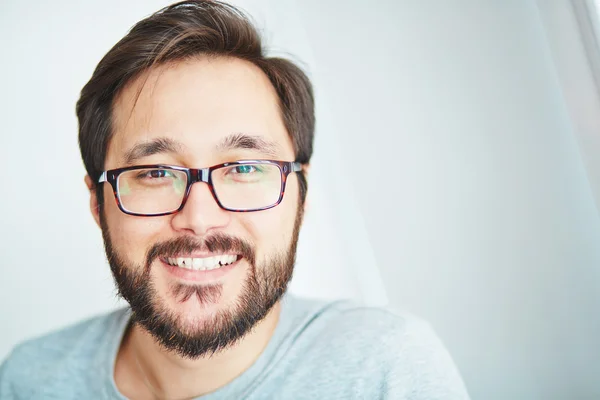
{"points": [[244, 141], [234, 141], [151, 147]]}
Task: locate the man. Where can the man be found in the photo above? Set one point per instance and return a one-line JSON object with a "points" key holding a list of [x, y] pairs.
{"points": [[197, 147]]}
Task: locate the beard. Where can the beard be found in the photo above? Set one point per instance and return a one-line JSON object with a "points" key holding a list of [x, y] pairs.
{"points": [[263, 287]]}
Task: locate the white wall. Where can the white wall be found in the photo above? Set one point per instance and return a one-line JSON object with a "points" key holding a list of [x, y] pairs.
{"points": [[476, 198], [451, 144]]}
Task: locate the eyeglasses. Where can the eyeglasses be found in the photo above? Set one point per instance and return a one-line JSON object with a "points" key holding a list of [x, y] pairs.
{"points": [[240, 186]]}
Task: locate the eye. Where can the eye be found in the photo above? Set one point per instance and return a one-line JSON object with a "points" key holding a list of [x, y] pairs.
{"points": [[155, 174], [244, 169], [159, 173], [243, 173]]}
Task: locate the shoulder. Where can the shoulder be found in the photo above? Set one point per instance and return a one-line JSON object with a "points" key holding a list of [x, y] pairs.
{"points": [[397, 351], [376, 330], [41, 360], [349, 320], [394, 331]]}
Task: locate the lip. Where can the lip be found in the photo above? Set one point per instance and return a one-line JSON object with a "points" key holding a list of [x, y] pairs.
{"points": [[200, 276]]}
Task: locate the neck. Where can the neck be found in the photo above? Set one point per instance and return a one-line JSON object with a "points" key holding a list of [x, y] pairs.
{"points": [[143, 366]]}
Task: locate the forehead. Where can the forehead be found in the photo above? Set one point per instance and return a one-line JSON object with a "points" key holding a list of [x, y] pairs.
{"points": [[198, 104]]}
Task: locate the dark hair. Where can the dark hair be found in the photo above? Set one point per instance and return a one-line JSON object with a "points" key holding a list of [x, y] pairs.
{"points": [[178, 32]]}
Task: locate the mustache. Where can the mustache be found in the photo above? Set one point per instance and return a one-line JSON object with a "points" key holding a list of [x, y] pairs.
{"points": [[217, 243]]}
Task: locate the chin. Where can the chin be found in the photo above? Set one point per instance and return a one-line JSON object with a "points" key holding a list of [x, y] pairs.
{"points": [[194, 300]]}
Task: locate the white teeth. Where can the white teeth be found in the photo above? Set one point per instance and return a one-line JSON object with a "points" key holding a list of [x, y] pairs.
{"points": [[203, 264], [226, 259], [211, 263], [198, 263], [184, 262]]}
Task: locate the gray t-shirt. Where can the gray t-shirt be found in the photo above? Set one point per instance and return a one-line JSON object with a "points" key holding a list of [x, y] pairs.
{"points": [[319, 350]]}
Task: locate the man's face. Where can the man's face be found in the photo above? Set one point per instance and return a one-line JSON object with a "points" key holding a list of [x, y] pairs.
{"points": [[200, 105]]}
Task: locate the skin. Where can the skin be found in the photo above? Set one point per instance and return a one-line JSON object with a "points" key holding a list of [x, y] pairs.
{"points": [[198, 103]]}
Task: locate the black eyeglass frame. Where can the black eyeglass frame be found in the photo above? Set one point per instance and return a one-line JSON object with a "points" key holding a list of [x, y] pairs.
{"points": [[200, 175]]}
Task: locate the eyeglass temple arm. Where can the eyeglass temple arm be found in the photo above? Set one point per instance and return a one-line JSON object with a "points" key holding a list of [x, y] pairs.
{"points": [[296, 167], [102, 177]]}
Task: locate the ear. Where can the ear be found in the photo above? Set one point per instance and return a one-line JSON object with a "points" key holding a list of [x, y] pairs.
{"points": [[93, 201], [305, 170], [307, 200]]}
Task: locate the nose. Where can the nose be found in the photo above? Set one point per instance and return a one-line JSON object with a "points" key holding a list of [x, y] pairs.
{"points": [[201, 213]]}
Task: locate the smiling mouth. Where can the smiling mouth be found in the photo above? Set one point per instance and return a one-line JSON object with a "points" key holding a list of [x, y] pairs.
{"points": [[202, 263]]}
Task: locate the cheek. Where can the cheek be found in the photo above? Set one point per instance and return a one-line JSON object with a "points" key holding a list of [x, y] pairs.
{"points": [[272, 229], [132, 236]]}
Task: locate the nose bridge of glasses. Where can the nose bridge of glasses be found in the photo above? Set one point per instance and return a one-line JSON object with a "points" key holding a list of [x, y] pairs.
{"points": [[199, 175]]}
